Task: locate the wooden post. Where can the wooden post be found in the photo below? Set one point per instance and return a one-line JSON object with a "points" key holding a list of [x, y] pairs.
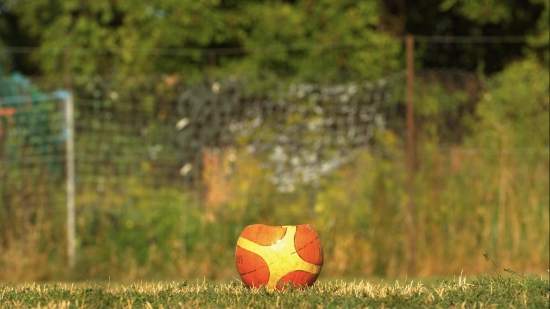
{"points": [[411, 228]]}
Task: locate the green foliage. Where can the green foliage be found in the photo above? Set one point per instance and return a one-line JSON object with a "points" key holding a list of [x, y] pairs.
{"points": [[331, 37], [513, 111], [540, 40], [482, 12], [439, 111], [310, 40], [510, 15], [297, 39], [531, 292], [134, 231]]}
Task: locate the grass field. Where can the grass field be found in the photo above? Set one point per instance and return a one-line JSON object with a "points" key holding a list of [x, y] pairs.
{"points": [[480, 292]]}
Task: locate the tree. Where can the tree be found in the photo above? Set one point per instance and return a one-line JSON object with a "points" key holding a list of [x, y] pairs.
{"points": [[471, 18], [513, 111], [298, 38]]}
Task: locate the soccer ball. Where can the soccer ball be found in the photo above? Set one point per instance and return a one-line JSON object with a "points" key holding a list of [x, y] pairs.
{"points": [[275, 256]]}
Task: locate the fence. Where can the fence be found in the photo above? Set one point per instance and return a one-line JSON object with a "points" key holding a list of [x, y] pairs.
{"points": [[167, 174]]}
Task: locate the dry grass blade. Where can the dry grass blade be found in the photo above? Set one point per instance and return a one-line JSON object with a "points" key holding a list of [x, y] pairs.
{"points": [[485, 291]]}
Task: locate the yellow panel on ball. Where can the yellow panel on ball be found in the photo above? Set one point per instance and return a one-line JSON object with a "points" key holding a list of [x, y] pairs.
{"points": [[273, 256]]}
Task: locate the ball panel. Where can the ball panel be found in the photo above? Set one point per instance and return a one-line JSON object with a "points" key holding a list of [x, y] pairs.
{"points": [[308, 245], [251, 267], [298, 278], [262, 234]]}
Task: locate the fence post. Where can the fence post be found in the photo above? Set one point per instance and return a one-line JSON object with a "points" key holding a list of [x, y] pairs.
{"points": [[410, 217], [70, 165]]}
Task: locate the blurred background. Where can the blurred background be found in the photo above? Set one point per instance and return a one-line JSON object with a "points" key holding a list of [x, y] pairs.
{"points": [[138, 138]]}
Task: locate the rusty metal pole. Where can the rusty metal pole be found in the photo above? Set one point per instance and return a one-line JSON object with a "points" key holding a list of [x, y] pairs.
{"points": [[411, 228]]}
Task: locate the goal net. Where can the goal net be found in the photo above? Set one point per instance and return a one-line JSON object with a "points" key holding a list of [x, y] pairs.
{"points": [[33, 136]]}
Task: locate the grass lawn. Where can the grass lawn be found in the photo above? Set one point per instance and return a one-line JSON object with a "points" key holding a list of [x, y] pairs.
{"points": [[479, 292]]}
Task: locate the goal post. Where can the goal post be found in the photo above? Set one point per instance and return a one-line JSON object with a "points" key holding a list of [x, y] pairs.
{"points": [[48, 118], [67, 98]]}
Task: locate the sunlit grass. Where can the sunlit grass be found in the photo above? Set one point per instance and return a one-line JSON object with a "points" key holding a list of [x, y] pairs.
{"points": [[486, 291]]}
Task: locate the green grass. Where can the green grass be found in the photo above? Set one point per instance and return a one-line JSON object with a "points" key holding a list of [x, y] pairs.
{"points": [[480, 292]]}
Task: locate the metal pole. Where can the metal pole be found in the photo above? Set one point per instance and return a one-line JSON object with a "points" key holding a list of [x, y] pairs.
{"points": [[410, 154], [69, 125]]}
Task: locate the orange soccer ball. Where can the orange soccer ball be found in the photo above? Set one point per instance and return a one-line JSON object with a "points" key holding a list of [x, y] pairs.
{"points": [[274, 256]]}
